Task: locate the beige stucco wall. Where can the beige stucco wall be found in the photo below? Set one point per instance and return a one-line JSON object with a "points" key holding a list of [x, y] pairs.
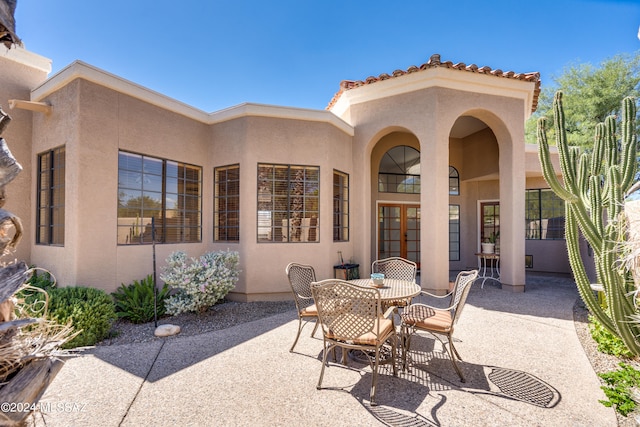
{"points": [[95, 122], [20, 72], [252, 140]]}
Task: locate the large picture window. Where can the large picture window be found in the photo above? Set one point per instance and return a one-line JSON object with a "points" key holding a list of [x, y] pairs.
{"points": [[288, 203], [226, 209], [168, 191], [340, 206], [544, 215], [50, 217]]}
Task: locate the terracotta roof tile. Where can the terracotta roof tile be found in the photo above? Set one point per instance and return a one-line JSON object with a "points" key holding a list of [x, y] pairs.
{"points": [[433, 62]]}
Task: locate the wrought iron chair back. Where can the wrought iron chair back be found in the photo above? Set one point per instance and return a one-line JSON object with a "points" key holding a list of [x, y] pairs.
{"points": [[461, 289], [396, 268], [438, 321], [351, 318], [347, 311], [300, 278]]}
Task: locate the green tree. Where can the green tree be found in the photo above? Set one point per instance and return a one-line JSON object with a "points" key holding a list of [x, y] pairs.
{"points": [[591, 95], [144, 205]]}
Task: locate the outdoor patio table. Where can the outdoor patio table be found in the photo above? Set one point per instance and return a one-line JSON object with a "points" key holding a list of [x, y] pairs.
{"points": [[392, 289], [489, 266]]}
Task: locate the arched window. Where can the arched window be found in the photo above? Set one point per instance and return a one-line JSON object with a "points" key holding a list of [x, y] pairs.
{"points": [[454, 182], [399, 171]]}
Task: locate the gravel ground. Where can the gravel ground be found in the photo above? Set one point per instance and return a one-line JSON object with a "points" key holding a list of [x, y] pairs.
{"points": [[220, 316], [229, 314]]}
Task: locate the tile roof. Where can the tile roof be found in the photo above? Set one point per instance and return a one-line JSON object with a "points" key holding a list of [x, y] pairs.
{"points": [[435, 61]]}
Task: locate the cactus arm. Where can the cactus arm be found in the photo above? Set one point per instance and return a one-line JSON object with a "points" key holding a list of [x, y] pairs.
{"points": [[611, 146], [595, 193], [598, 150], [615, 199], [579, 273], [587, 226], [629, 161], [548, 171], [567, 168], [620, 306], [583, 178]]}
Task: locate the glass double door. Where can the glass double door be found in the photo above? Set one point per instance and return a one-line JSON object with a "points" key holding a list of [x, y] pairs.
{"points": [[399, 231]]}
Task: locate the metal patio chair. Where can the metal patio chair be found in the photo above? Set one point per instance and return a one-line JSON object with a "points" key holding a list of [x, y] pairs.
{"points": [[439, 322], [351, 318], [396, 268], [300, 278]]}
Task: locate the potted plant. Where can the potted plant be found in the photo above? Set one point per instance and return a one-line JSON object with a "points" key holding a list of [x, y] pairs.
{"points": [[489, 244]]}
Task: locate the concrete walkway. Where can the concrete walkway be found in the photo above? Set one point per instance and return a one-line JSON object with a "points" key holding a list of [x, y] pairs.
{"points": [[522, 359]]}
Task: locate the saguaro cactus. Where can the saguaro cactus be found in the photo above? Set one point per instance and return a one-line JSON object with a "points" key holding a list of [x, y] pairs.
{"points": [[593, 188]]}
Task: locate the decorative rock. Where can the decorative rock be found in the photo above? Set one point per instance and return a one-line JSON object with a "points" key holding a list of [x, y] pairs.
{"points": [[167, 330]]}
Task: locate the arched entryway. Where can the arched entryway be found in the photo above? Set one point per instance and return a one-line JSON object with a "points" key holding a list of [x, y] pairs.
{"points": [[395, 166], [474, 154]]}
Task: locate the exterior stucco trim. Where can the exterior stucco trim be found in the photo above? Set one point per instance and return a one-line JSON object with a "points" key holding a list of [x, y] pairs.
{"points": [[436, 77], [24, 57], [81, 70], [263, 110]]}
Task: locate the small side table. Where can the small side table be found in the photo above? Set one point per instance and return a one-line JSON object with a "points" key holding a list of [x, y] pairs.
{"points": [[488, 267]]}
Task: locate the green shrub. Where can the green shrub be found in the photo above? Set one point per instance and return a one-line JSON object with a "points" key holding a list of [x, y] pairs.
{"points": [[91, 310], [607, 342], [619, 388], [88, 309], [135, 302]]}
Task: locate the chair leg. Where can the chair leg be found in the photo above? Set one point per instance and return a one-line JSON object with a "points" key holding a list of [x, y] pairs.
{"points": [[315, 328], [325, 353], [298, 335], [453, 353], [405, 338], [454, 349], [374, 378], [394, 353]]}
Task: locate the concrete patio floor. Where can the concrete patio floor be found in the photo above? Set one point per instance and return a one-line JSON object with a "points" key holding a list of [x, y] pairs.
{"points": [[522, 359]]}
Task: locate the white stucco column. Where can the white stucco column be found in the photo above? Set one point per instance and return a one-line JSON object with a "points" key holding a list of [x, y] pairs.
{"points": [[512, 210], [434, 209]]}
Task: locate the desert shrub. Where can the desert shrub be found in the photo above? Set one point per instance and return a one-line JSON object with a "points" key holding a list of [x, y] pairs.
{"points": [[135, 302], [619, 388], [199, 282], [89, 310], [607, 342]]}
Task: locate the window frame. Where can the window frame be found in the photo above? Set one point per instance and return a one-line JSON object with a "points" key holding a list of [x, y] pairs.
{"points": [[540, 231], [54, 205], [394, 182], [341, 218], [276, 191], [177, 179], [218, 226], [454, 233], [454, 176]]}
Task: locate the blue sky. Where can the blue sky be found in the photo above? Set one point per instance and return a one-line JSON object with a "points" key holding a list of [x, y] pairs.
{"points": [[217, 54]]}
